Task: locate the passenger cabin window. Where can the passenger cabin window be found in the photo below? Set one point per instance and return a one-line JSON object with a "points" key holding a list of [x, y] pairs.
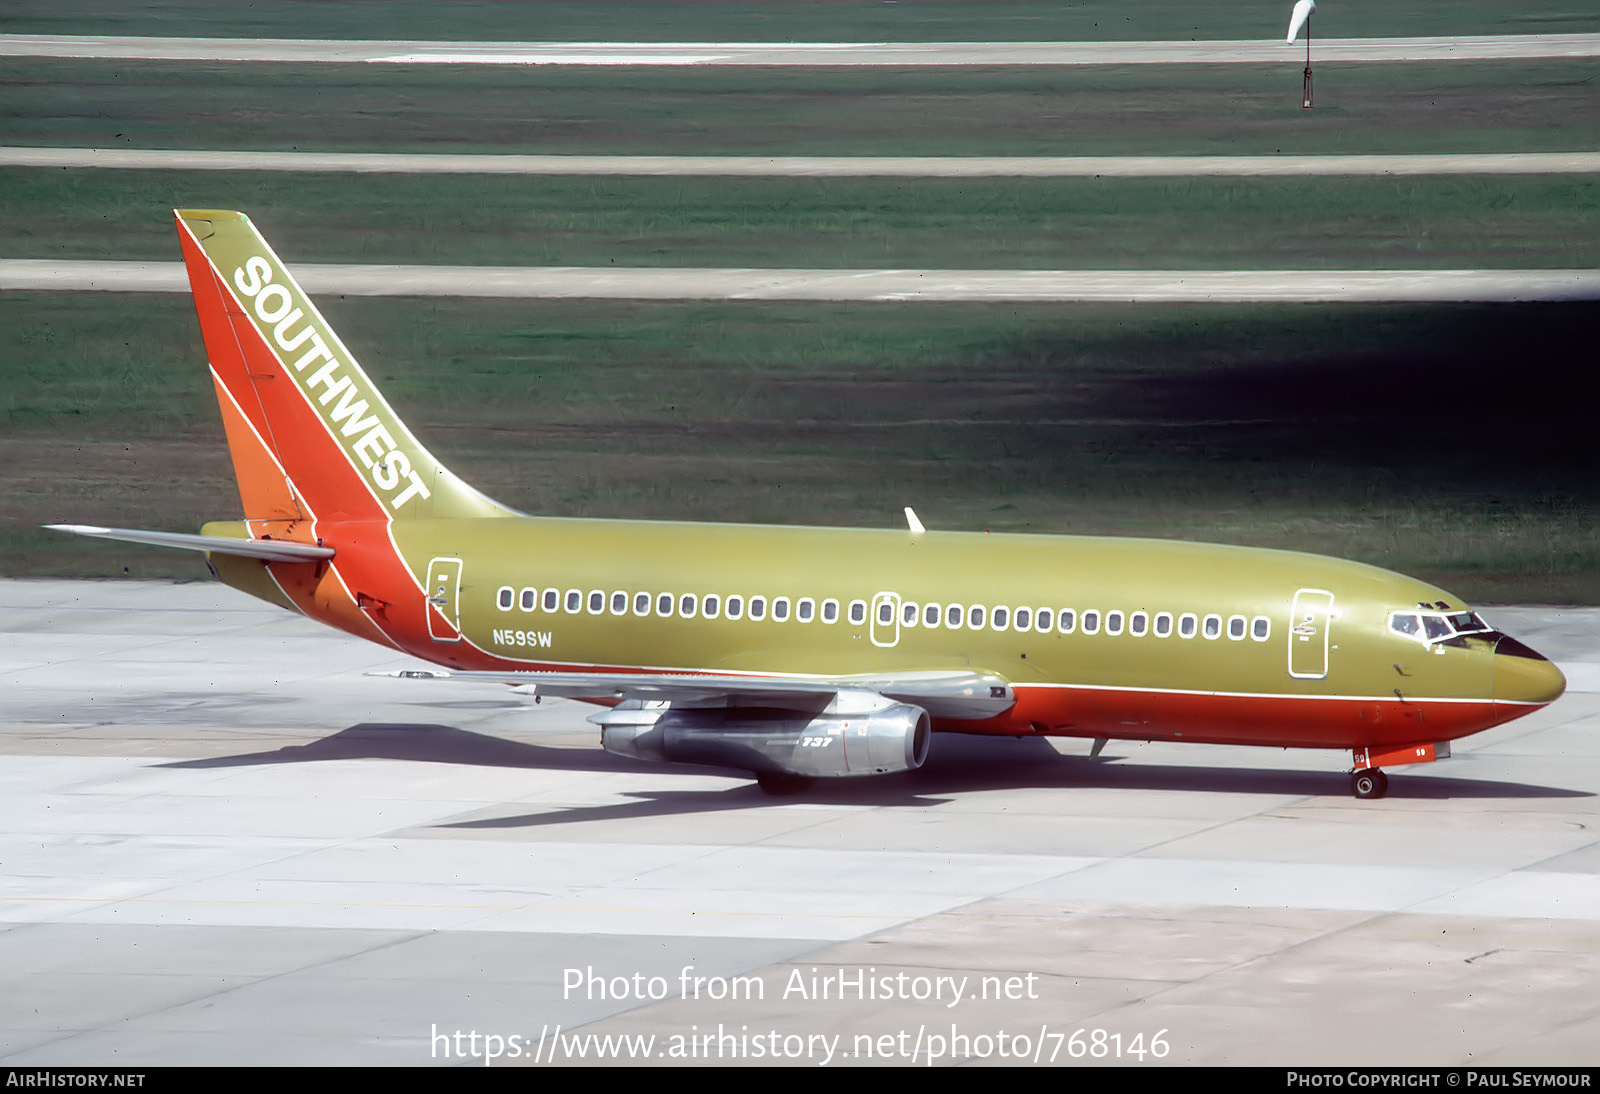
{"points": [[886, 612], [530, 599], [1138, 624], [1113, 622], [1236, 626], [686, 605], [619, 603], [664, 605], [1187, 625], [908, 614], [1091, 622], [1260, 628], [1163, 624], [805, 609], [975, 617], [858, 612], [830, 611], [1067, 621], [552, 600], [1044, 620], [710, 605], [952, 615], [734, 607], [780, 609], [641, 603], [758, 608], [999, 618], [506, 593], [930, 615], [1024, 619], [1212, 628], [597, 602], [574, 601]]}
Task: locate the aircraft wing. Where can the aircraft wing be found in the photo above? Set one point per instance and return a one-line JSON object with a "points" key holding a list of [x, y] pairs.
{"points": [[966, 695]]}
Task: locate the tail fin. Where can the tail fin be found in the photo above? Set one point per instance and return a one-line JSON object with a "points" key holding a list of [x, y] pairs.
{"points": [[310, 436]]}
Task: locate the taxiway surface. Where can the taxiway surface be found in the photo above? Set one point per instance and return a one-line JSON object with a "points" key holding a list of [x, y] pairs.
{"points": [[707, 283], [169, 159], [1268, 51], [222, 843]]}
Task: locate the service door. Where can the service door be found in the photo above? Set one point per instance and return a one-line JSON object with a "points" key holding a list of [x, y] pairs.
{"points": [[1309, 622], [444, 590], [886, 619]]}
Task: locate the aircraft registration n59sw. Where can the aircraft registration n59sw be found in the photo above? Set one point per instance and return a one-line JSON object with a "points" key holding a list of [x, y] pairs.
{"points": [[795, 652]]}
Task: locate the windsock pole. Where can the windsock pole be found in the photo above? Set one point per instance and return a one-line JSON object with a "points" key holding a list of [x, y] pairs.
{"points": [[1305, 99]]}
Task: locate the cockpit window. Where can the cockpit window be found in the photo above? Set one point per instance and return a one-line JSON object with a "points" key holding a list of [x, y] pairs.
{"points": [[1468, 623], [1437, 626]]}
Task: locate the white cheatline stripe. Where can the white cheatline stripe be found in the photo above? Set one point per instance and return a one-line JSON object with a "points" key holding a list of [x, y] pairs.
{"points": [[1464, 163], [668, 283]]}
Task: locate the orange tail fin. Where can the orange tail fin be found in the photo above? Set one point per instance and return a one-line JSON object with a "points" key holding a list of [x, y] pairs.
{"points": [[311, 437]]}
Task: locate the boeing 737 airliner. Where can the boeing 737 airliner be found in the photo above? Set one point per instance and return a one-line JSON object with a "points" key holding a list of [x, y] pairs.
{"points": [[797, 653]]}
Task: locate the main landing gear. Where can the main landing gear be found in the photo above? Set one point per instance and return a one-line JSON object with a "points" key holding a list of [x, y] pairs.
{"points": [[1369, 784]]}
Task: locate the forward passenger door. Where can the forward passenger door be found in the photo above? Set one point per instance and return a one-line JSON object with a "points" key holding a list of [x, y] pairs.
{"points": [[1309, 622]]}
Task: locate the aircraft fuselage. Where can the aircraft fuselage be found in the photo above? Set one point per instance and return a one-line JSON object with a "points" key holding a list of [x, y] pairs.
{"points": [[1099, 637]]}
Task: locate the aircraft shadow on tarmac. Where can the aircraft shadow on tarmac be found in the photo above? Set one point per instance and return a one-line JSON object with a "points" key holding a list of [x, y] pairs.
{"points": [[956, 765]]}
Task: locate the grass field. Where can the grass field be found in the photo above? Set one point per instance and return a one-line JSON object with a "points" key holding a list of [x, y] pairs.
{"points": [[1450, 442], [500, 220], [791, 20], [1500, 106]]}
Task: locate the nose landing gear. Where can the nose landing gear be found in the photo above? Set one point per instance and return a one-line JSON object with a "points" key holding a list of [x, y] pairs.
{"points": [[1369, 783]]}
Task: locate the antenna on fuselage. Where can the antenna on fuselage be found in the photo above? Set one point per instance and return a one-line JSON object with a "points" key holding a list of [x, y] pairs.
{"points": [[1302, 16], [913, 523]]}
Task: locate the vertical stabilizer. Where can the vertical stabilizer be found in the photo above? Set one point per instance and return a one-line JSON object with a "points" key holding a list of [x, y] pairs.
{"points": [[310, 435]]}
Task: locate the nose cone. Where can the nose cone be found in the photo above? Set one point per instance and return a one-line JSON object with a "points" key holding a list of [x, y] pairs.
{"points": [[1523, 677]]}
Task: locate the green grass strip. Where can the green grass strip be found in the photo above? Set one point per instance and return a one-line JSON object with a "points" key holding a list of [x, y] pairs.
{"points": [[1450, 441], [1266, 223], [1498, 106]]}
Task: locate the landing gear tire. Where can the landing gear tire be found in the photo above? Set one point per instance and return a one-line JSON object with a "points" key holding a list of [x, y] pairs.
{"points": [[1369, 784], [780, 785]]}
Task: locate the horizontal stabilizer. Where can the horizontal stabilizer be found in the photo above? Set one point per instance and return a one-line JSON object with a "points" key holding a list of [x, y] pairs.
{"points": [[268, 550]]}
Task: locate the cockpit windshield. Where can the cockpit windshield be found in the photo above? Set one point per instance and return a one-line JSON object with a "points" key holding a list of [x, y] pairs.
{"points": [[1437, 626]]}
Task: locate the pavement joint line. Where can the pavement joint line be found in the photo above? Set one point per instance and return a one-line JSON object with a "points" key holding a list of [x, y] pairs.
{"points": [[108, 900]]}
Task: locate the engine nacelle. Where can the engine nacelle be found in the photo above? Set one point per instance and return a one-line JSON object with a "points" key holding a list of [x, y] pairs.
{"points": [[892, 738]]}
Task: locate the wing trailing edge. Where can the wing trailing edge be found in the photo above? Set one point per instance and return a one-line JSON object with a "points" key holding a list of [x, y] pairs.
{"points": [[965, 695]]}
